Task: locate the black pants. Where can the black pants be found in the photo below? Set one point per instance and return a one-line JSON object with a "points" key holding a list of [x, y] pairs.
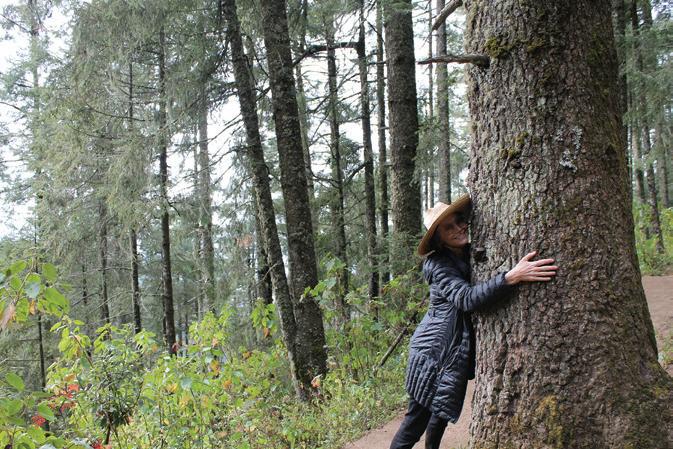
{"points": [[417, 420]]}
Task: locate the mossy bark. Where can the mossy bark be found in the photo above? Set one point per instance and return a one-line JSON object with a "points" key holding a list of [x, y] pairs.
{"points": [[573, 362]]}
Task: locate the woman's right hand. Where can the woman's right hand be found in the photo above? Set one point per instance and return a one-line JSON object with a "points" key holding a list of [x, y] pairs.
{"points": [[528, 270]]}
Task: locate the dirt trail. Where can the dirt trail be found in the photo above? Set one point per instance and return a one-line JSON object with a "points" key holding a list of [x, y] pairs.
{"points": [[659, 292]]}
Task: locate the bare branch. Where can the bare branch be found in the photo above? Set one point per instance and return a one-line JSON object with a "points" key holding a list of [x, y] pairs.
{"points": [[446, 12], [480, 60]]}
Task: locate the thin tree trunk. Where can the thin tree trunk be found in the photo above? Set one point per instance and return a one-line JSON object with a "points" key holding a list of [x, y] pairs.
{"points": [[644, 121], [572, 362], [207, 259], [368, 156], [403, 116], [133, 237], [663, 161], [301, 99], [135, 284], [428, 180], [102, 258], [381, 128], [444, 149], [337, 199], [264, 287], [166, 273], [300, 344]]}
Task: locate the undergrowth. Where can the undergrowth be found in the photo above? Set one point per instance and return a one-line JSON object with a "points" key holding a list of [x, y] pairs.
{"points": [[119, 389]]}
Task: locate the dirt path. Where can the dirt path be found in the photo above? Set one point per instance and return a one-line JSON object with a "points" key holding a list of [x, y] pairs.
{"points": [[659, 292]]}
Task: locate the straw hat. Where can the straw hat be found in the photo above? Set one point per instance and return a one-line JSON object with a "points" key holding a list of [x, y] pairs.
{"points": [[434, 216]]}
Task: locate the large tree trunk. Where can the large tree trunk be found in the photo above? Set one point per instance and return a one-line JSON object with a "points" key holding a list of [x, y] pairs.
{"points": [[643, 65], [368, 156], [300, 343], [166, 273], [207, 259], [444, 149], [337, 197], [311, 354], [573, 362], [381, 128], [403, 116]]}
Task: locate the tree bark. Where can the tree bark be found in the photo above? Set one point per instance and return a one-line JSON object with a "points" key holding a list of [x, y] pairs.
{"points": [[337, 197], [299, 344], [207, 259], [643, 65], [663, 161], [368, 157], [444, 149], [381, 129], [166, 272], [264, 287], [403, 116], [301, 252], [573, 362]]}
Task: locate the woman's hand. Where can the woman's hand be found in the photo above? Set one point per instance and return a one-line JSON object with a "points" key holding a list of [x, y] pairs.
{"points": [[531, 271]]}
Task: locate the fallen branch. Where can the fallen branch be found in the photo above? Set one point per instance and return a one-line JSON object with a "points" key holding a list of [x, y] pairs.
{"points": [[480, 60], [446, 12]]}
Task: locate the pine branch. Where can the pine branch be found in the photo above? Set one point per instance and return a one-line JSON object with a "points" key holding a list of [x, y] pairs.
{"points": [[480, 60]]}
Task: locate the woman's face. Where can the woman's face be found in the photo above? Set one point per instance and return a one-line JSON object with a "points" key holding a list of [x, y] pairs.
{"points": [[452, 231]]}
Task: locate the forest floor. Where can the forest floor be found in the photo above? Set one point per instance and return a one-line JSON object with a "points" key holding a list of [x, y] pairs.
{"points": [[659, 293]]}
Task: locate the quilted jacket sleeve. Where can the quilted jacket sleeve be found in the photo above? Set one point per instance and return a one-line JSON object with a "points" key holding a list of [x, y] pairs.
{"points": [[446, 282]]}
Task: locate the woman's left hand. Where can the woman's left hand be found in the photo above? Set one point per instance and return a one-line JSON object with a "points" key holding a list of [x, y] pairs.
{"points": [[528, 270]]}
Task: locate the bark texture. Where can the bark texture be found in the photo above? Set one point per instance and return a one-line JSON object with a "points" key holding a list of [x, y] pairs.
{"points": [[403, 119], [571, 363], [300, 343]]}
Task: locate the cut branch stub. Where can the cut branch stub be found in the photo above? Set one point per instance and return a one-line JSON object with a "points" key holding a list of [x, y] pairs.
{"points": [[446, 12], [480, 60]]}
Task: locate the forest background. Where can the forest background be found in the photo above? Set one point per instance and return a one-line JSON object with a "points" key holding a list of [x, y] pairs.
{"points": [[145, 300]]}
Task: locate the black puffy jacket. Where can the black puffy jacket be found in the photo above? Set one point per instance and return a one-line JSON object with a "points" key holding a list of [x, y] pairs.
{"points": [[442, 349]]}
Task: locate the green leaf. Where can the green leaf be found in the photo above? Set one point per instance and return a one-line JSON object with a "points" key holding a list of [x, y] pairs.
{"points": [[33, 284], [15, 283], [22, 308], [49, 272], [55, 298], [44, 411], [11, 406], [18, 267], [15, 381]]}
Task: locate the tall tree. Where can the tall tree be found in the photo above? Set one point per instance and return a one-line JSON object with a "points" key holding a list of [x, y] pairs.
{"points": [[207, 255], [381, 129], [336, 163], [403, 125], [643, 66], [166, 272], [301, 251], [571, 363], [300, 343], [368, 157], [444, 149]]}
